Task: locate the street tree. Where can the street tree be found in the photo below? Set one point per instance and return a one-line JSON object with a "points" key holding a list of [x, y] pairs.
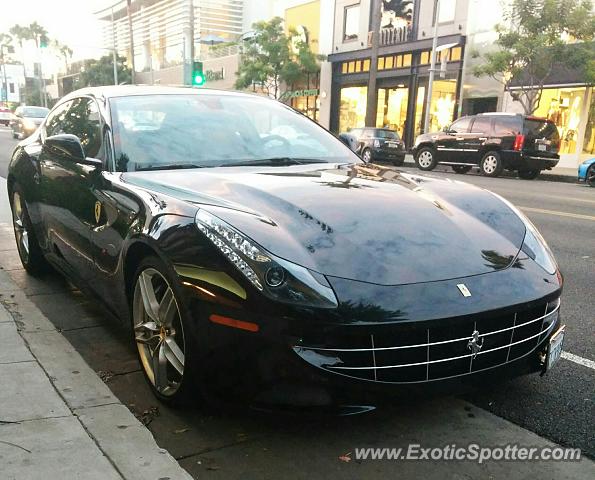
{"points": [[272, 60], [95, 73], [63, 51], [537, 37]]}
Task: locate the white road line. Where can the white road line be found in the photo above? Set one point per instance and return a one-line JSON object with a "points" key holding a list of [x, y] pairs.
{"points": [[560, 214], [585, 362]]}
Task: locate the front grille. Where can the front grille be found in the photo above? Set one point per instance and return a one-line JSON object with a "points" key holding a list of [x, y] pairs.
{"points": [[439, 350]]}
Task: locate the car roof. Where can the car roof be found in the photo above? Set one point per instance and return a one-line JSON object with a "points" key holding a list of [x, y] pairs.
{"points": [[111, 91]]}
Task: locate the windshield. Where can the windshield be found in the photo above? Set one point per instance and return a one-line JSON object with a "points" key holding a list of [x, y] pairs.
{"points": [[157, 131], [389, 134], [35, 112]]}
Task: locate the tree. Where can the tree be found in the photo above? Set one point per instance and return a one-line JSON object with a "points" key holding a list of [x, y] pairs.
{"points": [[539, 36], [273, 60], [64, 51], [95, 73]]}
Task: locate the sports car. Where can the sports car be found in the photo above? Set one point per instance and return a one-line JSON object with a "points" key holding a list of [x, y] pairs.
{"points": [[280, 267], [586, 172]]}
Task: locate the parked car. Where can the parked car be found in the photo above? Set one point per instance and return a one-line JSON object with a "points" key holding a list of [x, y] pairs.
{"points": [[494, 142], [278, 267], [5, 116], [26, 120], [375, 144], [586, 172]]}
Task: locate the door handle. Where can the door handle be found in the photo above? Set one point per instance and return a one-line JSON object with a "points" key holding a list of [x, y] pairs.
{"points": [[483, 139]]}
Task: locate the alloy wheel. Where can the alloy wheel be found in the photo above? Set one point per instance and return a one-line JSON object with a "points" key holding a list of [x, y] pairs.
{"points": [[490, 164], [158, 331], [20, 229], [367, 157], [425, 159]]}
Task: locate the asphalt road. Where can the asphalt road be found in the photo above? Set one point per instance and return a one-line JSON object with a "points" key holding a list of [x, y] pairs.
{"points": [[558, 406]]}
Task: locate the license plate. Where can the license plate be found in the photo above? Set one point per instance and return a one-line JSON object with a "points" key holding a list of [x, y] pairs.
{"points": [[392, 145], [554, 350], [542, 147]]}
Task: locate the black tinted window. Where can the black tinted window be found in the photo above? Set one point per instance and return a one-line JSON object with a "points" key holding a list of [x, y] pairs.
{"points": [[507, 126], [78, 117], [481, 125], [461, 125], [387, 134], [537, 128]]}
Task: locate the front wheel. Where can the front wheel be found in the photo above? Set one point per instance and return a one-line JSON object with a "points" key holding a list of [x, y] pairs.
{"points": [[426, 159], [491, 164], [461, 169], [591, 176], [164, 344], [529, 174], [367, 155], [29, 250]]}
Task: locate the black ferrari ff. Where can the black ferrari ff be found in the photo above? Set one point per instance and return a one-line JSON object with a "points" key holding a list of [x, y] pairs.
{"points": [[253, 253]]}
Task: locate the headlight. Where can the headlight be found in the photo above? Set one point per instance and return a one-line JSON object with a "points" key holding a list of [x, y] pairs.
{"points": [[276, 278], [534, 245], [376, 143]]}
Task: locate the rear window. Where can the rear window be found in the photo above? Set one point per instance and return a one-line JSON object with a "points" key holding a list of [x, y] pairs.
{"points": [[35, 112], [386, 134], [541, 128], [507, 126]]}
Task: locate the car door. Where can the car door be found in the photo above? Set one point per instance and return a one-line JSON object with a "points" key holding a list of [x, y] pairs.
{"points": [[480, 137], [451, 143], [68, 203]]}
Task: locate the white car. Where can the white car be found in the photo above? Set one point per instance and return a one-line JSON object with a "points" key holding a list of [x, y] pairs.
{"points": [[5, 116]]}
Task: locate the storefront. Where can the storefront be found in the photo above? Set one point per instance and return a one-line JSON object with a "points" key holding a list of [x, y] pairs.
{"points": [[402, 83]]}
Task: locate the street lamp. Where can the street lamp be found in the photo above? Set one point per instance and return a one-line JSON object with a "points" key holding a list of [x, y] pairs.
{"points": [[432, 66]]}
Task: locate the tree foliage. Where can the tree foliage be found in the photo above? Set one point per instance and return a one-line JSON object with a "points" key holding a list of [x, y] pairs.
{"points": [[538, 36], [95, 73], [271, 60]]}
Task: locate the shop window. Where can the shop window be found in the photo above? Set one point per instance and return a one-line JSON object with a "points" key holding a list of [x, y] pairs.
{"points": [[442, 104], [425, 58], [344, 67], [381, 63], [455, 54], [351, 67], [366, 65], [563, 106], [352, 108], [392, 108], [399, 61], [388, 63], [351, 23], [407, 60], [589, 141]]}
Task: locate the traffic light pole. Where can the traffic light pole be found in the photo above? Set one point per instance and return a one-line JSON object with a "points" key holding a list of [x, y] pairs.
{"points": [[5, 89]]}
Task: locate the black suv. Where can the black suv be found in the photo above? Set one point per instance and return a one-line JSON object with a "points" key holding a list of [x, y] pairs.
{"points": [[375, 144], [494, 142]]}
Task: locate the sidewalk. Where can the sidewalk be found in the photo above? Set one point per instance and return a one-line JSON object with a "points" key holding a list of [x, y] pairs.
{"points": [[57, 418], [557, 174]]}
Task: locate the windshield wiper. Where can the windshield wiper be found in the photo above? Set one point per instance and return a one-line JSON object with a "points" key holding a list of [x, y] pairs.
{"points": [[169, 166], [275, 161]]}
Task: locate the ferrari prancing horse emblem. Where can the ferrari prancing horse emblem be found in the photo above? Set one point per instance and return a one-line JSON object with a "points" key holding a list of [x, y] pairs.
{"points": [[97, 211]]}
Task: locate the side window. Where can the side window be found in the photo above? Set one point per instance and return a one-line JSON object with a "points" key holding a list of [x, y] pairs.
{"points": [[53, 124], [482, 125], [507, 126], [461, 125], [83, 120]]}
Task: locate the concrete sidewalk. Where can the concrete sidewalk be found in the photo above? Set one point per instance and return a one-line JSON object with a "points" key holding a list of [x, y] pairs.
{"points": [[57, 418]]}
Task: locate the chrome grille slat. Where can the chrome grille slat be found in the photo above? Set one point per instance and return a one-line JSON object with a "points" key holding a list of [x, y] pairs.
{"points": [[445, 359], [325, 349], [372, 357]]}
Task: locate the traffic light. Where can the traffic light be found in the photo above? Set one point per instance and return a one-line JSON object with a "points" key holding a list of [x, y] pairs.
{"points": [[198, 77], [43, 41]]}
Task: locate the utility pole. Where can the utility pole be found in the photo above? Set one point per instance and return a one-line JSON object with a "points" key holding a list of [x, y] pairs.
{"points": [[5, 88], [372, 100], [432, 66], [132, 79], [114, 52]]}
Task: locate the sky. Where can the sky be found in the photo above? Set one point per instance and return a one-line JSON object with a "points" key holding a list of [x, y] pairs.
{"points": [[69, 21]]}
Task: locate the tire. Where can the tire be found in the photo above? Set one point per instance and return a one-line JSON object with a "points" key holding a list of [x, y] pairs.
{"points": [[399, 162], [491, 164], [15, 136], [590, 178], [367, 155], [168, 334], [426, 159], [461, 169], [529, 174], [28, 247]]}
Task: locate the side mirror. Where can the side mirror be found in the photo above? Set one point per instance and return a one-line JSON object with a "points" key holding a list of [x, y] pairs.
{"points": [[70, 147], [446, 129]]}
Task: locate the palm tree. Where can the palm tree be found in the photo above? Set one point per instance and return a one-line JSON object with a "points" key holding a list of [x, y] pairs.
{"points": [[37, 33], [64, 51]]}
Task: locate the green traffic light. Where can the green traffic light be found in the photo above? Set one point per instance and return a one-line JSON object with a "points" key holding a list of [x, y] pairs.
{"points": [[198, 79]]}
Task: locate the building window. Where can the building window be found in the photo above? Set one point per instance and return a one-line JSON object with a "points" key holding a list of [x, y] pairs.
{"points": [[455, 54], [366, 67], [351, 23], [352, 109], [447, 11], [11, 87], [425, 58], [443, 104], [407, 60], [355, 66]]}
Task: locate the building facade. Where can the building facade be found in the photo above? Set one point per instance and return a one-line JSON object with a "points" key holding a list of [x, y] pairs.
{"points": [[12, 81]]}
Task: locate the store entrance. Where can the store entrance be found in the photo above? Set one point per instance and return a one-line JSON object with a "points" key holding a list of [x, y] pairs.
{"points": [[392, 108]]}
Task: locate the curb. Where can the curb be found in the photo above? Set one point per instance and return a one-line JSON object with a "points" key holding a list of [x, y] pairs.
{"points": [[115, 434], [546, 175]]}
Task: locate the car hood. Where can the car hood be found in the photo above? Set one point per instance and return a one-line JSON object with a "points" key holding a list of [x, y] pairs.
{"points": [[359, 222]]}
